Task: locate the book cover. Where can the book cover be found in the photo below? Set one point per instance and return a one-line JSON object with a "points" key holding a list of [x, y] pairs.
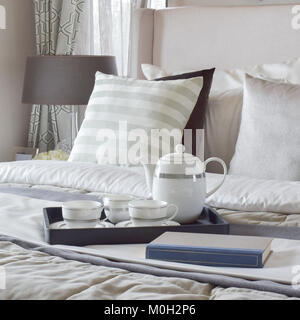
{"points": [[210, 249]]}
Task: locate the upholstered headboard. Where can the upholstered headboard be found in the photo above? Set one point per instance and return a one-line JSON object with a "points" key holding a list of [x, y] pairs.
{"points": [[190, 38], [195, 38]]}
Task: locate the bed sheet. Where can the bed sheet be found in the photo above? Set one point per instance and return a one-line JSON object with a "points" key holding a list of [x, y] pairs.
{"points": [[238, 201]]}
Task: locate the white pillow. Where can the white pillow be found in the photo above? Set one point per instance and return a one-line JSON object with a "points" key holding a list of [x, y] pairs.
{"points": [[268, 145], [122, 114], [222, 123], [152, 72], [288, 71]]}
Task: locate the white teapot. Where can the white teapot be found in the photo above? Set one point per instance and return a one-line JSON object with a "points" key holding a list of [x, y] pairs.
{"points": [[179, 178]]}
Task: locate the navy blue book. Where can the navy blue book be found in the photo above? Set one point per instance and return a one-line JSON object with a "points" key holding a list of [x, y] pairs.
{"points": [[215, 250]]}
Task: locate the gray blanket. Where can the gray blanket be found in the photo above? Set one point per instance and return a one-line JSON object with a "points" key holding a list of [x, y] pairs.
{"points": [[217, 280]]}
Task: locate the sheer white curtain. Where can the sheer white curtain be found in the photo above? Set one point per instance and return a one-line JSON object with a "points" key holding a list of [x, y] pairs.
{"points": [[111, 20]]}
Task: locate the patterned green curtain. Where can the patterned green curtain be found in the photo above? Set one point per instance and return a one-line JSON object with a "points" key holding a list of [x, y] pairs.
{"points": [[57, 27]]}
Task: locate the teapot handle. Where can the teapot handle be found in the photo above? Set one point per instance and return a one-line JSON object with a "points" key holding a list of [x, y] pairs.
{"points": [[224, 174]]}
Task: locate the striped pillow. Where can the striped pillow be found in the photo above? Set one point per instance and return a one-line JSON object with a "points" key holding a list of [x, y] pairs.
{"points": [[126, 118]]}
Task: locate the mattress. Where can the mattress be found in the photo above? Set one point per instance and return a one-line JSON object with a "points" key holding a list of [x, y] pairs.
{"points": [[56, 273]]}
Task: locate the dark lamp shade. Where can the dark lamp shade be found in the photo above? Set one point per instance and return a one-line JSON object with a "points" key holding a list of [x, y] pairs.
{"points": [[63, 80]]}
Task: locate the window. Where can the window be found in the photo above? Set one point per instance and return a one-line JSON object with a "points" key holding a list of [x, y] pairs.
{"points": [[111, 27], [157, 4]]}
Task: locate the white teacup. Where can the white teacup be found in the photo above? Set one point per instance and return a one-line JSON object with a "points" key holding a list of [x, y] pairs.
{"points": [[82, 213], [116, 207], [151, 212]]}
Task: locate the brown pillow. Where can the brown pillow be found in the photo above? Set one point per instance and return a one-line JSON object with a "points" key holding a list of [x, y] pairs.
{"points": [[196, 120]]}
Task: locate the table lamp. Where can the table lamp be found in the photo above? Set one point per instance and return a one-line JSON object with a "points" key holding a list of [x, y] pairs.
{"points": [[64, 80]]}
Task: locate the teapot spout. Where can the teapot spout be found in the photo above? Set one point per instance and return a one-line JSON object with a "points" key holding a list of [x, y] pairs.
{"points": [[149, 172]]}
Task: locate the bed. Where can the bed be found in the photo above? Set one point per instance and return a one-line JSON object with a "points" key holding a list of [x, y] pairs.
{"points": [[31, 269]]}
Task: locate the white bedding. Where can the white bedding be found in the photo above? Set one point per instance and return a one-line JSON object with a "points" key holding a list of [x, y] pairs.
{"points": [[248, 194], [36, 275], [237, 193], [79, 175], [21, 216]]}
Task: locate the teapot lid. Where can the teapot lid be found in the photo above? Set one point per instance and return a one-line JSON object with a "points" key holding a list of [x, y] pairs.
{"points": [[179, 156], [181, 162]]}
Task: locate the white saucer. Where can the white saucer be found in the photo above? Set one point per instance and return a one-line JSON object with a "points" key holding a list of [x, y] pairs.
{"points": [[62, 225], [129, 224]]}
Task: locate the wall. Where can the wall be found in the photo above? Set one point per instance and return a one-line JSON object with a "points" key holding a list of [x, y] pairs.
{"points": [[16, 43], [177, 3]]}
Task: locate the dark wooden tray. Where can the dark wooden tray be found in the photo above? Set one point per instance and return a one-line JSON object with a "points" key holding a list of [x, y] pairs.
{"points": [[209, 222]]}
